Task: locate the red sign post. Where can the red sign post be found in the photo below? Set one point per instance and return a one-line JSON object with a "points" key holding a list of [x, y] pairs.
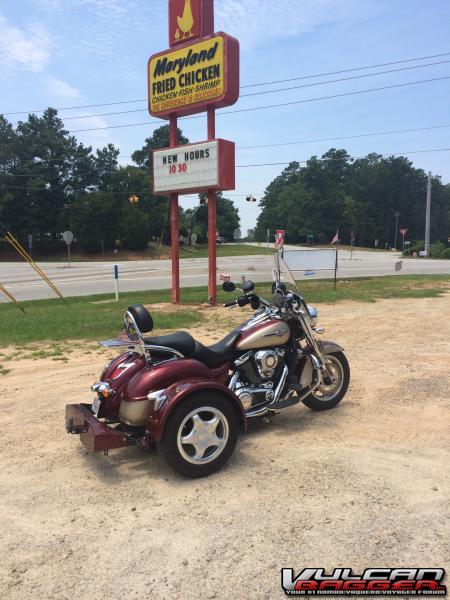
{"points": [[403, 232], [200, 72]]}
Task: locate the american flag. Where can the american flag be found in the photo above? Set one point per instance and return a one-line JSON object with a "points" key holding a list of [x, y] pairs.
{"points": [[336, 237]]}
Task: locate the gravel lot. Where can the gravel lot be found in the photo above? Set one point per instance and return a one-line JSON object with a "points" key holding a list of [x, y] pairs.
{"points": [[365, 485]]}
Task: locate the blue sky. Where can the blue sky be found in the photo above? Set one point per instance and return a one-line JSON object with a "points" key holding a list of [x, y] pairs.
{"points": [[76, 52]]}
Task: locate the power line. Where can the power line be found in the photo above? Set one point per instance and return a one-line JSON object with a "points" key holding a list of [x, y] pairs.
{"points": [[310, 141], [344, 137], [351, 158], [283, 104], [296, 87], [315, 75], [387, 64], [389, 154]]}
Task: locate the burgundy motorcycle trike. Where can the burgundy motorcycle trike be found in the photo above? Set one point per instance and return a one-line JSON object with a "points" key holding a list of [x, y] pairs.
{"points": [[191, 400]]}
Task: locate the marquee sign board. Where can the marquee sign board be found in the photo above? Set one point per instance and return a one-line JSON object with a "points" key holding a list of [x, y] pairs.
{"points": [[190, 19], [194, 168], [188, 79]]}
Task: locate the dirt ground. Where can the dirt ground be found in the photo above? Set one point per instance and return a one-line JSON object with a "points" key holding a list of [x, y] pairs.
{"points": [[365, 485]]}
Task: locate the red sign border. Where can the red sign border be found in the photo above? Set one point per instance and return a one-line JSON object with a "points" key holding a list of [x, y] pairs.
{"points": [[226, 158], [231, 78]]}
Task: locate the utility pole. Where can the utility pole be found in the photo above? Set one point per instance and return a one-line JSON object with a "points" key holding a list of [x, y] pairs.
{"points": [[397, 214], [427, 221]]}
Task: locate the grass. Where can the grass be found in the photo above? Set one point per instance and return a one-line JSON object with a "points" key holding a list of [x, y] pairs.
{"points": [[91, 318], [225, 250], [153, 252]]}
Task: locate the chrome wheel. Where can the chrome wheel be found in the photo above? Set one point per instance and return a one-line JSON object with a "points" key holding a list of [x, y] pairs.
{"points": [[203, 435], [330, 389]]}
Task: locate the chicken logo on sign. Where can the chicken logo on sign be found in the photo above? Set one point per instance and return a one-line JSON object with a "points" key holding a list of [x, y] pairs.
{"points": [[190, 19]]}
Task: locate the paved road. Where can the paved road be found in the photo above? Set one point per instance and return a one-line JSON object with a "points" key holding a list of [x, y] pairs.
{"points": [[91, 278]]}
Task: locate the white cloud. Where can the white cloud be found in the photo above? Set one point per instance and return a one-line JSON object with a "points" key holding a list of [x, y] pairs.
{"points": [[26, 49], [255, 22], [58, 87]]}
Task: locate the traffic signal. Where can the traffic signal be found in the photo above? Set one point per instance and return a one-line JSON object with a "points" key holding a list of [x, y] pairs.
{"points": [[251, 199]]}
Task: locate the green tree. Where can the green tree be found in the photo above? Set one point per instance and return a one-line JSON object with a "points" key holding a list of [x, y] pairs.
{"points": [[95, 217], [227, 218], [133, 228]]}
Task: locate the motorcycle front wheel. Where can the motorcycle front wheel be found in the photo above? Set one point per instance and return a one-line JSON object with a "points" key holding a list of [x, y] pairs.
{"points": [[200, 435], [331, 392]]}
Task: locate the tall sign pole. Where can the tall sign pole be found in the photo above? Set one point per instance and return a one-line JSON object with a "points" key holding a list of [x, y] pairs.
{"points": [[212, 221], [174, 223], [428, 215], [200, 72]]}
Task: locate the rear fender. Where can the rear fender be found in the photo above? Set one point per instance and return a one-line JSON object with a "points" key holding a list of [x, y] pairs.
{"points": [[178, 392]]}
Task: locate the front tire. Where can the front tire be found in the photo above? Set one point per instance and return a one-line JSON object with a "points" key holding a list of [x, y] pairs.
{"points": [[200, 435], [329, 396]]}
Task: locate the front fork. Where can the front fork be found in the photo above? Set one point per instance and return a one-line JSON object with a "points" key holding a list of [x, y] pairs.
{"points": [[318, 354]]}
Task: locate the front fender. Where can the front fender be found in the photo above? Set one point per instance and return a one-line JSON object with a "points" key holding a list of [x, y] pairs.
{"points": [[177, 392], [330, 347]]}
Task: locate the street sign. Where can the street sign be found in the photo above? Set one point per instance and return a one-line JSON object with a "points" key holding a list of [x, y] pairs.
{"points": [[279, 238], [30, 241], [403, 232], [68, 237], [237, 234]]}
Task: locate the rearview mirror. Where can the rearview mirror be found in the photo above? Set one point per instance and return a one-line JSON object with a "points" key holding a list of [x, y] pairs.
{"points": [[228, 286], [248, 286]]}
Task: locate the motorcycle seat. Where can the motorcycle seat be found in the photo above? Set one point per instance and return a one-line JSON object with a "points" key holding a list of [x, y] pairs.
{"points": [[185, 344], [217, 354], [180, 341]]}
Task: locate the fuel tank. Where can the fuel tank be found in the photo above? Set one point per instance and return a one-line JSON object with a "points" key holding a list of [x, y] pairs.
{"points": [[263, 334]]}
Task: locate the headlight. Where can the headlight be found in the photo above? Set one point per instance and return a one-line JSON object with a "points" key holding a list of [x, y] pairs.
{"points": [[313, 314]]}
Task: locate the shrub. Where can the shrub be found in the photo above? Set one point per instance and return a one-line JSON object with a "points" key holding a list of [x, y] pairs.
{"points": [[436, 250], [446, 253]]}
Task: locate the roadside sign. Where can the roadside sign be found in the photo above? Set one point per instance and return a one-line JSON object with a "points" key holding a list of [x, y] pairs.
{"points": [[279, 238], [237, 234], [403, 232], [225, 277], [423, 253], [30, 241], [68, 237], [193, 238], [376, 243]]}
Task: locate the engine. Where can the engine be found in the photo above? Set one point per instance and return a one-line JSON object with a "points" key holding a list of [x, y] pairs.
{"points": [[255, 377]]}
